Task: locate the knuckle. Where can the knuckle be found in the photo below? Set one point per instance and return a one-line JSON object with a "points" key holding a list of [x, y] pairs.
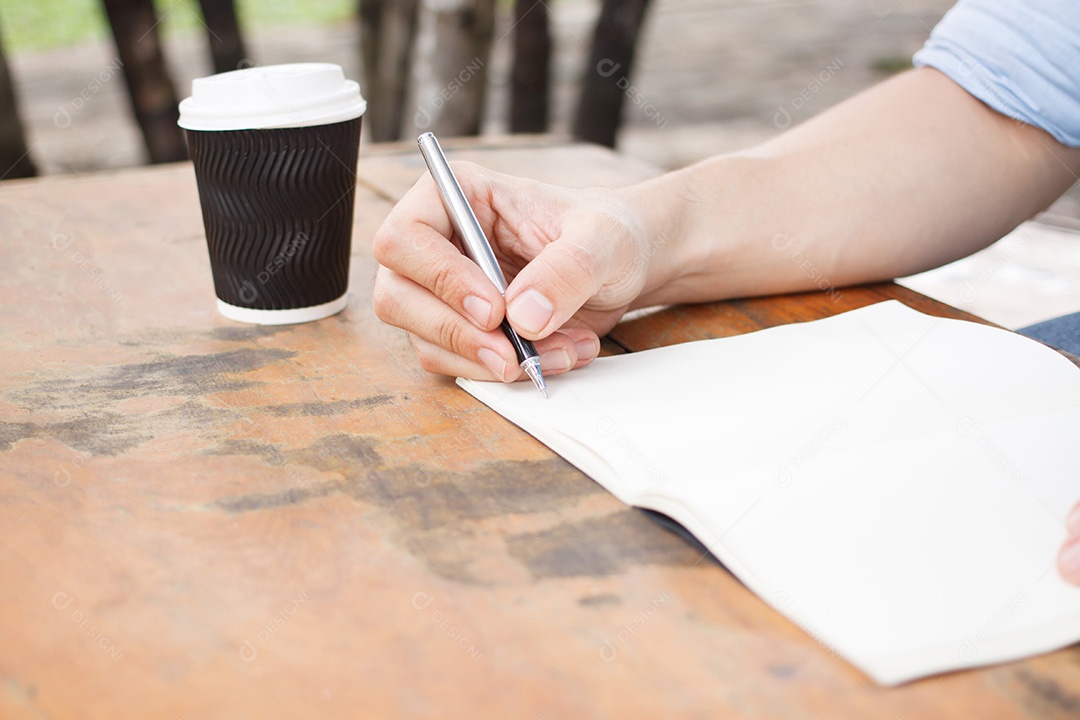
{"points": [[452, 336], [445, 283]]}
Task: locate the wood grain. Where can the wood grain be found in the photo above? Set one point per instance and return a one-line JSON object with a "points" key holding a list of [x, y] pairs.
{"points": [[203, 519]]}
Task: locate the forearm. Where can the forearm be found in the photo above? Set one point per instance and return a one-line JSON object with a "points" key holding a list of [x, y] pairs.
{"points": [[905, 177]]}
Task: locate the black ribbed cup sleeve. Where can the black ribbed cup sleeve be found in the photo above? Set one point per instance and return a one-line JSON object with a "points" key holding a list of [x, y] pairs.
{"points": [[278, 210]]}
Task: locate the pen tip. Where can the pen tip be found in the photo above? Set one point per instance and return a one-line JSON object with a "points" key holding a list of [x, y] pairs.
{"points": [[532, 369]]}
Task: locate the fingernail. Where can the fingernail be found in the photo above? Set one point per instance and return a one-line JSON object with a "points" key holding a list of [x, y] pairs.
{"points": [[530, 312], [1069, 562], [493, 361], [1072, 522], [555, 360], [478, 309], [586, 349]]}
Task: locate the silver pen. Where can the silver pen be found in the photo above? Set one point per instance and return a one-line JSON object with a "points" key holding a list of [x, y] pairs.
{"points": [[476, 246]]}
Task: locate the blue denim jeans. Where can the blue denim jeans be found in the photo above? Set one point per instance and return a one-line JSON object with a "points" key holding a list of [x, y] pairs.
{"points": [[1062, 333]]}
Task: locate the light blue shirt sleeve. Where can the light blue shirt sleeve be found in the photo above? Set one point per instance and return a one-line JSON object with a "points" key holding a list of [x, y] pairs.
{"points": [[1020, 57]]}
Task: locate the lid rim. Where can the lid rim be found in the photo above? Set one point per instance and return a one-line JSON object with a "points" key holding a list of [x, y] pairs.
{"points": [[278, 122], [241, 99]]}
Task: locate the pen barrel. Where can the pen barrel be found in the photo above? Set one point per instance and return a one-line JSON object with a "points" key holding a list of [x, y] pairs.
{"points": [[522, 347], [475, 244], [473, 240]]}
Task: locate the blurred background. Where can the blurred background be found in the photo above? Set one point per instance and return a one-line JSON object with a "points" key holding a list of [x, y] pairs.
{"points": [[94, 83]]}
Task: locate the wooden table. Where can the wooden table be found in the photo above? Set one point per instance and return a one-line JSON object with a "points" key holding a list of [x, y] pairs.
{"points": [[203, 519]]}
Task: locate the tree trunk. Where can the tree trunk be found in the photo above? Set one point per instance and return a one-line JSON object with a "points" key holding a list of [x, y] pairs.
{"points": [[15, 161], [606, 78], [387, 33], [531, 75], [453, 47], [223, 32], [153, 97], [370, 14]]}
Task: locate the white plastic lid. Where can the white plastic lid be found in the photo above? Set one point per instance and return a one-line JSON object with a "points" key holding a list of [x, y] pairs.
{"points": [[274, 96]]}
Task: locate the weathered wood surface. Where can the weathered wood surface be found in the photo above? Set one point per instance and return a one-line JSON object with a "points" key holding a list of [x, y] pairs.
{"points": [[203, 519]]}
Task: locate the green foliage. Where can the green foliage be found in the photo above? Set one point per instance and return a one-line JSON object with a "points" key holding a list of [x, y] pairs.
{"points": [[892, 63], [43, 24], [29, 25]]}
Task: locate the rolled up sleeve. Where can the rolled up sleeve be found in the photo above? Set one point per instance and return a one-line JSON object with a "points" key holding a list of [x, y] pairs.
{"points": [[1020, 58]]}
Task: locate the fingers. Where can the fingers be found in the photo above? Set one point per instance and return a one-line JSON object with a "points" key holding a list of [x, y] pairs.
{"points": [[558, 355], [453, 311], [590, 253], [567, 349], [448, 344], [413, 243], [1069, 557], [405, 304]]}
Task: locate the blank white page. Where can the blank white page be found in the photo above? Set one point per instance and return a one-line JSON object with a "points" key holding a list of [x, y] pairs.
{"points": [[893, 482]]}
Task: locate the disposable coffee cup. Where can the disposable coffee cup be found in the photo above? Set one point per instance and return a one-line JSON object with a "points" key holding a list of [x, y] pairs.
{"points": [[275, 152]]}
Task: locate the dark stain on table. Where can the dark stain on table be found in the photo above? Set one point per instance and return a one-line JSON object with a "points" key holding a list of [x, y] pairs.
{"points": [[782, 671], [604, 545], [1046, 696], [326, 409], [265, 501], [105, 431], [433, 499], [601, 600], [422, 498], [182, 375], [250, 332], [436, 510], [110, 433]]}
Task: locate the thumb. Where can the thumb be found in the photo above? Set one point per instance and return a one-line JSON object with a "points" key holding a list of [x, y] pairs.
{"points": [[557, 282]]}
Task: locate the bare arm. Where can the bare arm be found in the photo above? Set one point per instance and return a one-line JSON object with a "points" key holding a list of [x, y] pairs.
{"points": [[907, 176], [902, 178]]}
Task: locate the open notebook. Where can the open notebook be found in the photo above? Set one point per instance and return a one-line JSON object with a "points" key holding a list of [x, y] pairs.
{"points": [[895, 483]]}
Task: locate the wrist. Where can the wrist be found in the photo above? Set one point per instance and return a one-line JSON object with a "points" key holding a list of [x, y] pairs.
{"points": [[691, 222], [659, 210]]}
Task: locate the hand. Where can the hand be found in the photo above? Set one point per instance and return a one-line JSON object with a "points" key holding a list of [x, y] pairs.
{"points": [[575, 261], [1069, 557]]}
